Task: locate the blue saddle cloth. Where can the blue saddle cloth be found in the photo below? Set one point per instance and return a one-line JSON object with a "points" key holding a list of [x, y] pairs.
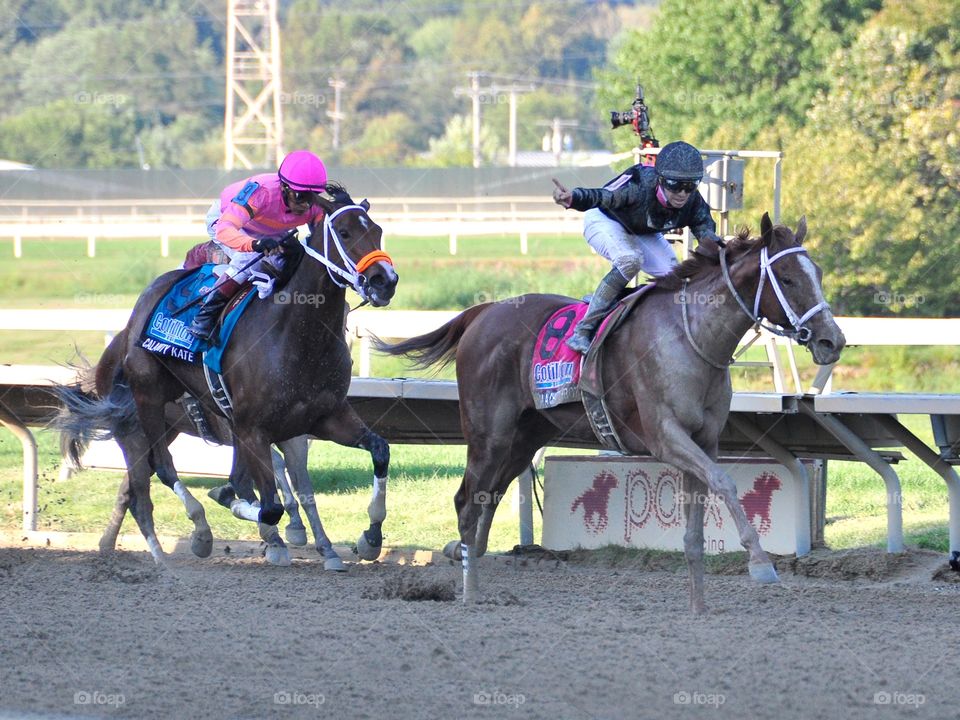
{"points": [[168, 334]]}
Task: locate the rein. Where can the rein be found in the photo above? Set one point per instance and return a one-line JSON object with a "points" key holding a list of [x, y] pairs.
{"points": [[352, 272]]}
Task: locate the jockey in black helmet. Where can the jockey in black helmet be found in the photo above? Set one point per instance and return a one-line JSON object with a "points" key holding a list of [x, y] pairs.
{"points": [[625, 221]]}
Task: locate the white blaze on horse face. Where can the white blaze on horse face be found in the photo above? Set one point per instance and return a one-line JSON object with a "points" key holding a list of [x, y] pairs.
{"points": [[364, 222], [811, 272]]}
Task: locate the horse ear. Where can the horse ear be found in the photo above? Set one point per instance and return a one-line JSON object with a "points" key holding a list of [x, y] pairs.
{"points": [[365, 204], [801, 230], [766, 229]]}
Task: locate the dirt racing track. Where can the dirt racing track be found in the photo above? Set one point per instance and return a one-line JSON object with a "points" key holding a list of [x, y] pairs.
{"points": [[860, 634]]}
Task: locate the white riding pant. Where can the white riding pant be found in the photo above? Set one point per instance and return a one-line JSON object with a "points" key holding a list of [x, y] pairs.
{"points": [[238, 258], [627, 252]]}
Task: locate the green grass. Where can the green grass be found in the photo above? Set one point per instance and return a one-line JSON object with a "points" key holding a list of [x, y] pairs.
{"points": [[423, 480], [57, 274]]}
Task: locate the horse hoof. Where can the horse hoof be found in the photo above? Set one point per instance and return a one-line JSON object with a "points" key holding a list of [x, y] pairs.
{"points": [[202, 543], [334, 564], [452, 550], [365, 550], [223, 495], [763, 573], [278, 555], [295, 536]]}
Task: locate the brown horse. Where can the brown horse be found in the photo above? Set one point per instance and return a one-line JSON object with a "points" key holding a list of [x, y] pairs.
{"points": [[665, 374], [287, 368]]}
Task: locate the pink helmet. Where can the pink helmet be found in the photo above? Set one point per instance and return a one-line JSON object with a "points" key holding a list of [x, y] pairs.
{"points": [[302, 170]]}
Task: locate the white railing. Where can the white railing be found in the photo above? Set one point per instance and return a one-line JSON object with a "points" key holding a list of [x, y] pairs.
{"points": [[399, 217]]}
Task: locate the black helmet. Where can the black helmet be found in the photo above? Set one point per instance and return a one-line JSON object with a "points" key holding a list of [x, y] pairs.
{"points": [[679, 161]]}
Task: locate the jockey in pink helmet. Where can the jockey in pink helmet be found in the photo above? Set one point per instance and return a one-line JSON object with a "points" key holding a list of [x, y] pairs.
{"points": [[255, 216]]}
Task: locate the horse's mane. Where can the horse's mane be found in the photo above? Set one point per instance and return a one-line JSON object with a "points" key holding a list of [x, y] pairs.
{"points": [[697, 265]]}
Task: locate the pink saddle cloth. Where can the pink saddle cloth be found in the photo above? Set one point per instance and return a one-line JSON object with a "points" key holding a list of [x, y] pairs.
{"points": [[556, 369]]}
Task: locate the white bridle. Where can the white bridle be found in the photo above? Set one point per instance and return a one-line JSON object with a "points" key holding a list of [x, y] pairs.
{"points": [[349, 272], [800, 333]]}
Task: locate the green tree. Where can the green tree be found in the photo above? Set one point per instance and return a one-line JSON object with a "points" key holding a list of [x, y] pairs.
{"points": [[66, 134], [877, 168], [739, 64]]}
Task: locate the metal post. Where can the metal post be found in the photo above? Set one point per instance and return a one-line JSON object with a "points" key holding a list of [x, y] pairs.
{"points": [[29, 445], [872, 458], [777, 172], [801, 500], [949, 475]]}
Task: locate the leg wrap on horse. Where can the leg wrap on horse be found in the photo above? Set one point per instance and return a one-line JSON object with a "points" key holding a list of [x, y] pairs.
{"points": [[379, 450]]}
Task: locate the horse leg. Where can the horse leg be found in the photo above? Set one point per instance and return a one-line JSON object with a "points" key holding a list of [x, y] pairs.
{"points": [[677, 448], [152, 389], [295, 453], [295, 532], [108, 541], [250, 451], [488, 474], [136, 453], [346, 428], [694, 501]]}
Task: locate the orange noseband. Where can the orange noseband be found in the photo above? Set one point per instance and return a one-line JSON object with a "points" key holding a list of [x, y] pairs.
{"points": [[371, 258]]}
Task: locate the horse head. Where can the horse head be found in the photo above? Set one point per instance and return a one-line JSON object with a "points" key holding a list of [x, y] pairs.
{"points": [[352, 245], [789, 292]]}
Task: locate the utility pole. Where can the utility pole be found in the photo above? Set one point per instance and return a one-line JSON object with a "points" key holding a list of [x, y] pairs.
{"points": [[474, 92], [513, 90], [556, 135], [253, 120], [335, 114]]}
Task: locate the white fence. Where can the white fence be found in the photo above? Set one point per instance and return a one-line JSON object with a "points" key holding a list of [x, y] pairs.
{"points": [[399, 217]]}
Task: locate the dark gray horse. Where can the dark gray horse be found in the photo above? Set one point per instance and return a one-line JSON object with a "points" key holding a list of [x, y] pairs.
{"points": [[665, 372], [288, 370]]}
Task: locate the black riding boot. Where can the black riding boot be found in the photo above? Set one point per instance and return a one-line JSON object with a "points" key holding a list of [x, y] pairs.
{"points": [[602, 302], [205, 320]]}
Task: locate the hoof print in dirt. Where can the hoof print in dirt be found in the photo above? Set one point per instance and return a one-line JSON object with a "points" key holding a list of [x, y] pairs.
{"points": [[412, 586]]}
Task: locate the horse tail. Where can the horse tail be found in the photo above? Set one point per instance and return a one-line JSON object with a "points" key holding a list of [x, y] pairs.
{"points": [[84, 417], [437, 347]]}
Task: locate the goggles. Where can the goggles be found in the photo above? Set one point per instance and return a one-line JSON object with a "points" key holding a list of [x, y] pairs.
{"points": [[687, 186], [302, 196]]}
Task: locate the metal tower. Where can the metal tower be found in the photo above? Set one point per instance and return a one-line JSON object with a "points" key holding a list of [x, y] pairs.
{"points": [[253, 121]]}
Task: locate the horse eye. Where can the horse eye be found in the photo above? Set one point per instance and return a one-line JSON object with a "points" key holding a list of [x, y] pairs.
{"points": [[786, 281]]}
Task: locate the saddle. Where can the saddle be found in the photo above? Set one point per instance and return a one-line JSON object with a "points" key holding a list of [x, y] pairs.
{"points": [[560, 375]]}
